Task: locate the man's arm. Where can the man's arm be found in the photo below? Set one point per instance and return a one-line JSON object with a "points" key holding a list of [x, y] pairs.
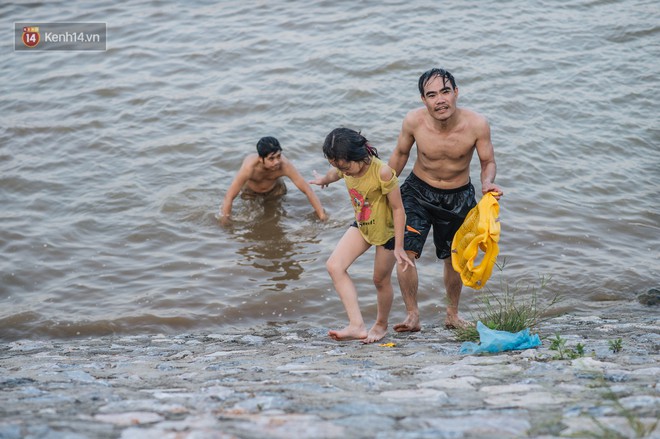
{"points": [[242, 176], [399, 217], [304, 187], [486, 154], [404, 144]]}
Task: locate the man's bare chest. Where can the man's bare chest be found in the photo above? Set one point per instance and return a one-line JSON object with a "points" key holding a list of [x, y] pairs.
{"points": [[445, 148]]}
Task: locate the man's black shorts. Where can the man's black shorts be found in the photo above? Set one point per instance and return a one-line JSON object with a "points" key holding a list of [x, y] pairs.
{"points": [[427, 207]]}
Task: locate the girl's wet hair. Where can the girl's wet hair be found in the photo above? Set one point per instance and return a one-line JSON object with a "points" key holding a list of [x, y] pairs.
{"points": [[430, 74], [267, 146], [348, 145]]}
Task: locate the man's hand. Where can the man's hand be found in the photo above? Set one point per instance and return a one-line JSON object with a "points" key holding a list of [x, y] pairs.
{"points": [[492, 187]]}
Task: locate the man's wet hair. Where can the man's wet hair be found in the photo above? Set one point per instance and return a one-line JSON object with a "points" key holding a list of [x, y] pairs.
{"points": [[268, 145], [348, 145], [430, 74]]}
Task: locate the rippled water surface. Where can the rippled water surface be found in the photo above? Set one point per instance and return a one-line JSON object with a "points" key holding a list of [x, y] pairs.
{"points": [[114, 163]]}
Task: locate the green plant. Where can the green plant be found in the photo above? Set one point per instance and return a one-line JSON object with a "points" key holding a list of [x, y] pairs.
{"points": [[513, 309], [616, 345], [559, 344]]}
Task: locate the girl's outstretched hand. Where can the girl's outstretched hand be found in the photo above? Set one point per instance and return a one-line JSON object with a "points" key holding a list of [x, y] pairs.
{"points": [[402, 258], [318, 180]]}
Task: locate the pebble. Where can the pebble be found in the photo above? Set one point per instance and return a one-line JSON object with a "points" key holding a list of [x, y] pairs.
{"points": [[288, 381]]}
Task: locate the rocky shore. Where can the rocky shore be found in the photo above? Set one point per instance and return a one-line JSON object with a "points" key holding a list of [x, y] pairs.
{"points": [[289, 380]]}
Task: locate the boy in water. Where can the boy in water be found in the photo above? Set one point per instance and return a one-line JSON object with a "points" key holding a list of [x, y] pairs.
{"points": [[261, 175]]}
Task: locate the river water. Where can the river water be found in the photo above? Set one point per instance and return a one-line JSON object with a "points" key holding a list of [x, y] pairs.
{"points": [[114, 162]]}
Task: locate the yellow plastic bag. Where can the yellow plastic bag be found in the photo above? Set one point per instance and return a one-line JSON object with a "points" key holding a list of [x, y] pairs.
{"points": [[479, 231]]}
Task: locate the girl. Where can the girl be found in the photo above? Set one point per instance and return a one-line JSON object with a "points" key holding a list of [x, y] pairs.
{"points": [[379, 220]]}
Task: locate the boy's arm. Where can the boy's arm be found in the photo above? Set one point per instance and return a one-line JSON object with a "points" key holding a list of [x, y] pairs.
{"points": [[242, 176], [304, 187]]}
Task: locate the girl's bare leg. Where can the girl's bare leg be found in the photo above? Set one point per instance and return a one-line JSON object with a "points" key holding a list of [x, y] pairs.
{"points": [[383, 265], [349, 248]]}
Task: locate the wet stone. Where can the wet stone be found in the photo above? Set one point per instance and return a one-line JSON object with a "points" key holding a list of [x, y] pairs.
{"points": [[650, 297], [285, 381]]}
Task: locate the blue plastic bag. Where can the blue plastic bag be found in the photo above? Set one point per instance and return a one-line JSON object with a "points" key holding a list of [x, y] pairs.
{"points": [[493, 341]]}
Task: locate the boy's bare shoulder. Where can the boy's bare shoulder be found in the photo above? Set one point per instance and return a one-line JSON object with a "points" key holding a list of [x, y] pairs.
{"points": [[251, 158], [287, 164], [250, 161], [285, 160], [288, 169]]}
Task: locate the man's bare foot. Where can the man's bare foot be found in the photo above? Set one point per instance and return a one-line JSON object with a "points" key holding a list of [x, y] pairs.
{"points": [[410, 324], [376, 333], [349, 333], [457, 323]]}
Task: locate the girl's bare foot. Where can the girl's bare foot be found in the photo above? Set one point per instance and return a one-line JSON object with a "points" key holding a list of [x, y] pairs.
{"points": [[349, 333], [410, 324], [376, 333]]}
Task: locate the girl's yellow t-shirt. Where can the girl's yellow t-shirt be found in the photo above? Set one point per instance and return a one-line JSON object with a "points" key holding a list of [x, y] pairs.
{"points": [[368, 194]]}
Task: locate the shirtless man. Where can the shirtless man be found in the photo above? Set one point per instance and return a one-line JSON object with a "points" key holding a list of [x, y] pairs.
{"points": [[438, 192], [261, 175]]}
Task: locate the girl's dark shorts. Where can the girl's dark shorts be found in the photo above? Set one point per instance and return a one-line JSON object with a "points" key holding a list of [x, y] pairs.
{"points": [[442, 209], [389, 245]]}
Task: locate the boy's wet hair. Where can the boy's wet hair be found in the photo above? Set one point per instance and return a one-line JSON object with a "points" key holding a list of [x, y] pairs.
{"points": [[430, 74], [268, 145], [348, 145]]}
